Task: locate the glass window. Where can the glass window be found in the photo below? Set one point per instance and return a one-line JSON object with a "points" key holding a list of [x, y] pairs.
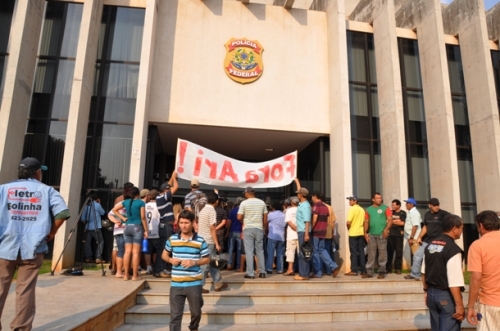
{"points": [[462, 133], [6, 11], [495, 57], [414, 114], [112, 109], [46, 130], [365, 124]]}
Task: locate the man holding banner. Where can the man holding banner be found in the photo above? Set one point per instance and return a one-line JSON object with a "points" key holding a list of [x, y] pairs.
{"points": [[253, 214]]}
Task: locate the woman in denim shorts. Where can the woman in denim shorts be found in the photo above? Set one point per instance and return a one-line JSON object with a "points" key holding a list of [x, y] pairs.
{"points": [[135, 223], [118, 242]]}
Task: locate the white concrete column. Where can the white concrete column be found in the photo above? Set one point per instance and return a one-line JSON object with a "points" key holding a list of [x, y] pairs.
{"points": [[390, 96], [467, 19], [19, 74], [340, 130], [78, 118], [425, 16], [140, 137]]}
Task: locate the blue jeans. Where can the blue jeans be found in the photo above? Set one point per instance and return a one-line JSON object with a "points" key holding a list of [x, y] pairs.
{"points": [[279, 247], [120, 243], [234, 243], [304, 266], [133, 234], [214, 273], [254, 242], [321, 255], [97, 235], [358, 257], [441, 308], [417, 260]]}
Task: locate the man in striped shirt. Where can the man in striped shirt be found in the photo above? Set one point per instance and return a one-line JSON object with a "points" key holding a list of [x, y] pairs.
{"points": [[253, 214], [186, 251]]}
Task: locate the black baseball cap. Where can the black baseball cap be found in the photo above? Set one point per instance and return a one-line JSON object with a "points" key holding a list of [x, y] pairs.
{"points": [[32, 163], [352, 197], [164, 186]]}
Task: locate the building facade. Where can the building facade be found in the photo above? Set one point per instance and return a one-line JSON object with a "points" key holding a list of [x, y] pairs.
{"points": [[393, 96]]}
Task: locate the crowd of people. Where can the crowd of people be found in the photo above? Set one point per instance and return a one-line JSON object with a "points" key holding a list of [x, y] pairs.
{"points": [[296, 237]]}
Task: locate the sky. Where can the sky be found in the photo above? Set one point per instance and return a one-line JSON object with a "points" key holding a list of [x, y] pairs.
{"points": [[487, 3]]}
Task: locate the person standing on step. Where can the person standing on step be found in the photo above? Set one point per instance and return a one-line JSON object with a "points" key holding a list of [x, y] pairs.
{"points": [[412, 226], [207, 220], [395, 238], [483, 261], [378, 220], [442, 276], [292, 238], [186, 251], [303, 219], [355, 226], [432, 228], [234, 236], [275, 238], [253, 214], [320, 217], [167, 219]]}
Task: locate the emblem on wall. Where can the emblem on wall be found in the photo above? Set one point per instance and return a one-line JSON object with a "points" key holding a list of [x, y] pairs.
{"points": [[243, 62]]}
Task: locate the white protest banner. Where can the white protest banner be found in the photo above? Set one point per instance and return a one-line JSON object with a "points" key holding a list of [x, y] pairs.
{"points": [[195, 161]]}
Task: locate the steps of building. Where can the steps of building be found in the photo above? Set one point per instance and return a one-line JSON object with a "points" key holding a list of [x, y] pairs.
{"points": [[278, 297], [393, 325], [272, 314]]}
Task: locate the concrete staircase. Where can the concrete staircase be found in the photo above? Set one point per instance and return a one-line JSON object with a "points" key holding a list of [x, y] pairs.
{"points": [[281, 303]]}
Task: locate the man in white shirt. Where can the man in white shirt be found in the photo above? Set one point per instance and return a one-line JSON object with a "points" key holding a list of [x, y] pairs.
{"points": [[206, 229], [412, 226]]}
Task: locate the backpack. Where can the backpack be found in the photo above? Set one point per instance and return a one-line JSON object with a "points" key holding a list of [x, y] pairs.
{"points": [[198, 203]]}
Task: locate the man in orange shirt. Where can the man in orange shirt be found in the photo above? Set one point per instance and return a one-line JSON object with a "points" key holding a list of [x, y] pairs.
{"points": [[483, 262]]}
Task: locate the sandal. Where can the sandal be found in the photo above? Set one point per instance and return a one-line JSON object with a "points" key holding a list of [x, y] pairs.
{"points": [[119, 276], [289, 273]]}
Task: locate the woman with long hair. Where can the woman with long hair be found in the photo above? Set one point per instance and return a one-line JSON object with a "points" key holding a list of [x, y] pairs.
{"points": [[177, 211], [135, 223]]}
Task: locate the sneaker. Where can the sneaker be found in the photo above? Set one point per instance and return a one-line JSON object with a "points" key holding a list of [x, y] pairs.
{"points": [[298, 277], [149, 270], [381, 275], [165, 275], [335, 272], [411, 277], [205, 291], [367, 276], [398, 271]]}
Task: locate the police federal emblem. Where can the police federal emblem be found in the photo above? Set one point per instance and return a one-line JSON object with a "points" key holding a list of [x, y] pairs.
{"points": [[243, 62]]}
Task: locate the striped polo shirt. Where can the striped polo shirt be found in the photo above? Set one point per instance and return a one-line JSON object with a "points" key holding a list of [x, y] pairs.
{"points": [[253, 211], [191, 249]]}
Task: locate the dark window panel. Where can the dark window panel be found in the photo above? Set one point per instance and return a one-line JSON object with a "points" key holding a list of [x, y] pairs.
{"points": [[6, 11], [356, 56]]}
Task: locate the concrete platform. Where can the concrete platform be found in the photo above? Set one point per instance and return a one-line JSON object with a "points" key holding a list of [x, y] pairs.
{"points": [[88, 302]]}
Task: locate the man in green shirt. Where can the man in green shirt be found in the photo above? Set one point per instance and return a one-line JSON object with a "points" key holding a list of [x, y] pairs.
{"points": [[378, 220]]}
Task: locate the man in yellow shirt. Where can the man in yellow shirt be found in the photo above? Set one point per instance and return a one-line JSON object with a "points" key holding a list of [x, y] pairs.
{"points": [[355, 221]]}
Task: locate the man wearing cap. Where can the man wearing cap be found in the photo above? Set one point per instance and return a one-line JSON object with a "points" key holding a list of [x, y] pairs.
{"points": [[253, 214], [412, 226], [303, 218], [355, 221], [431, 229], [166, 229], [28, 207], [320, 218], [195, 185]]}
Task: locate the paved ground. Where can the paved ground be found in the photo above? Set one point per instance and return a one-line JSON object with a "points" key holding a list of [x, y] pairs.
{"points": [[64, 302]]}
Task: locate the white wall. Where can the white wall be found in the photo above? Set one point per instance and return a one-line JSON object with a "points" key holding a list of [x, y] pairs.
{"points": [[191, 87]]}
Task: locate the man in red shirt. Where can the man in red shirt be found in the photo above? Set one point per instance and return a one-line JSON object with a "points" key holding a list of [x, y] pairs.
{"points": [[320, 215]]}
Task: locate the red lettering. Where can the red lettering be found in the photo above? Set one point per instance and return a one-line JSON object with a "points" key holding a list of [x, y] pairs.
{"points": [[251, 176], [197, 163], [277, 168], [182, 155], [265, 171], [227, 170], [291, 166], [213, 168]]}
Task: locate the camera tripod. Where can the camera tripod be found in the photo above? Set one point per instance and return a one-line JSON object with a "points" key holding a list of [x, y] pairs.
{"points": [[89, 203]]}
